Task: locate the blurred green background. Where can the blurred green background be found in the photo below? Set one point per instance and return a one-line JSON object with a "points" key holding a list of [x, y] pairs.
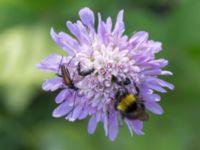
{"points": [[25, 110]]}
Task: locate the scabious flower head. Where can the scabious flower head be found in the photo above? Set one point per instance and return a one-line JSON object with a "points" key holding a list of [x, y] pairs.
{"points": [[111, 54]]}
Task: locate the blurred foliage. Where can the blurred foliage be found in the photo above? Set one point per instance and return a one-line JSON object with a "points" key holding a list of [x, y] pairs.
{"points": [[25, 110]]}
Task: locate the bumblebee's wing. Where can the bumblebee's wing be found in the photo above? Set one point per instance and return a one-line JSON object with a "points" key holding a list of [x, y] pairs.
{"points": [[143, 116]]}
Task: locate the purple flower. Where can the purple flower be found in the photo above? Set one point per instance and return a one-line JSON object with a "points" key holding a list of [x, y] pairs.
{"points": [[97, 65]]}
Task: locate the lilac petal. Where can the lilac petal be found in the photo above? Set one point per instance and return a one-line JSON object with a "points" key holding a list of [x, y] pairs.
{"points": [[166, 73], [151, 97], [92, 110], [73, 29], [157, 71], [105, 124], [119, 26], [54, 35], [83, 114], [70, 117], [138, 38], [165, 84], [155, 47], [62, 110], [96, 101], [92, 124], [109, 24], [87, 17], [62, 96], [157, 88], [129, 126], [113, 126], [154, 107], [52, 84], [66, 42], [152, 72], [102, 30], [51, 63], [100, 106], [141, 58], [79, 31], [85, 37], [137, 126], [69, 42], [158, 82], [76, 112], [98, 115], [159, 63]]}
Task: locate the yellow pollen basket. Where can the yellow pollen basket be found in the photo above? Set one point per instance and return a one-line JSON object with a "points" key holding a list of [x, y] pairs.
{"points": [[126, 101]]}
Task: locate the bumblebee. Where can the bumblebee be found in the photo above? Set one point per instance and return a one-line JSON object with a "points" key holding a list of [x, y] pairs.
{"points": [[130, 105]]}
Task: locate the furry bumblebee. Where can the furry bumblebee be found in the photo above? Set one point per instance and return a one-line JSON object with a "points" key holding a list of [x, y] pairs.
{"points": [[130, 105]]}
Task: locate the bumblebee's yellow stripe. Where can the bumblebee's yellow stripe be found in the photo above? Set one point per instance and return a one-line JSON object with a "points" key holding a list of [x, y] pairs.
{"points": [[126, 101]]}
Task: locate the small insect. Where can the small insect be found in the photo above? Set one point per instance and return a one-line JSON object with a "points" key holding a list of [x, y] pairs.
{"points": [[66, 78], [130, 105], [65, 75], [84, 72], [121, 83]]}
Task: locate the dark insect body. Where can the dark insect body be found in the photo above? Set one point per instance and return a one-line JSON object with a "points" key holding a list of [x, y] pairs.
{"points": [[66, 75], [121, 83], [66, 78], [130, 106], [84, 72]]}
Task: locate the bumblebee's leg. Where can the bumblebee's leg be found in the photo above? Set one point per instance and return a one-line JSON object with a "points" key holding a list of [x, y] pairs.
{"points": [[137, 89], [84, 73]]}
